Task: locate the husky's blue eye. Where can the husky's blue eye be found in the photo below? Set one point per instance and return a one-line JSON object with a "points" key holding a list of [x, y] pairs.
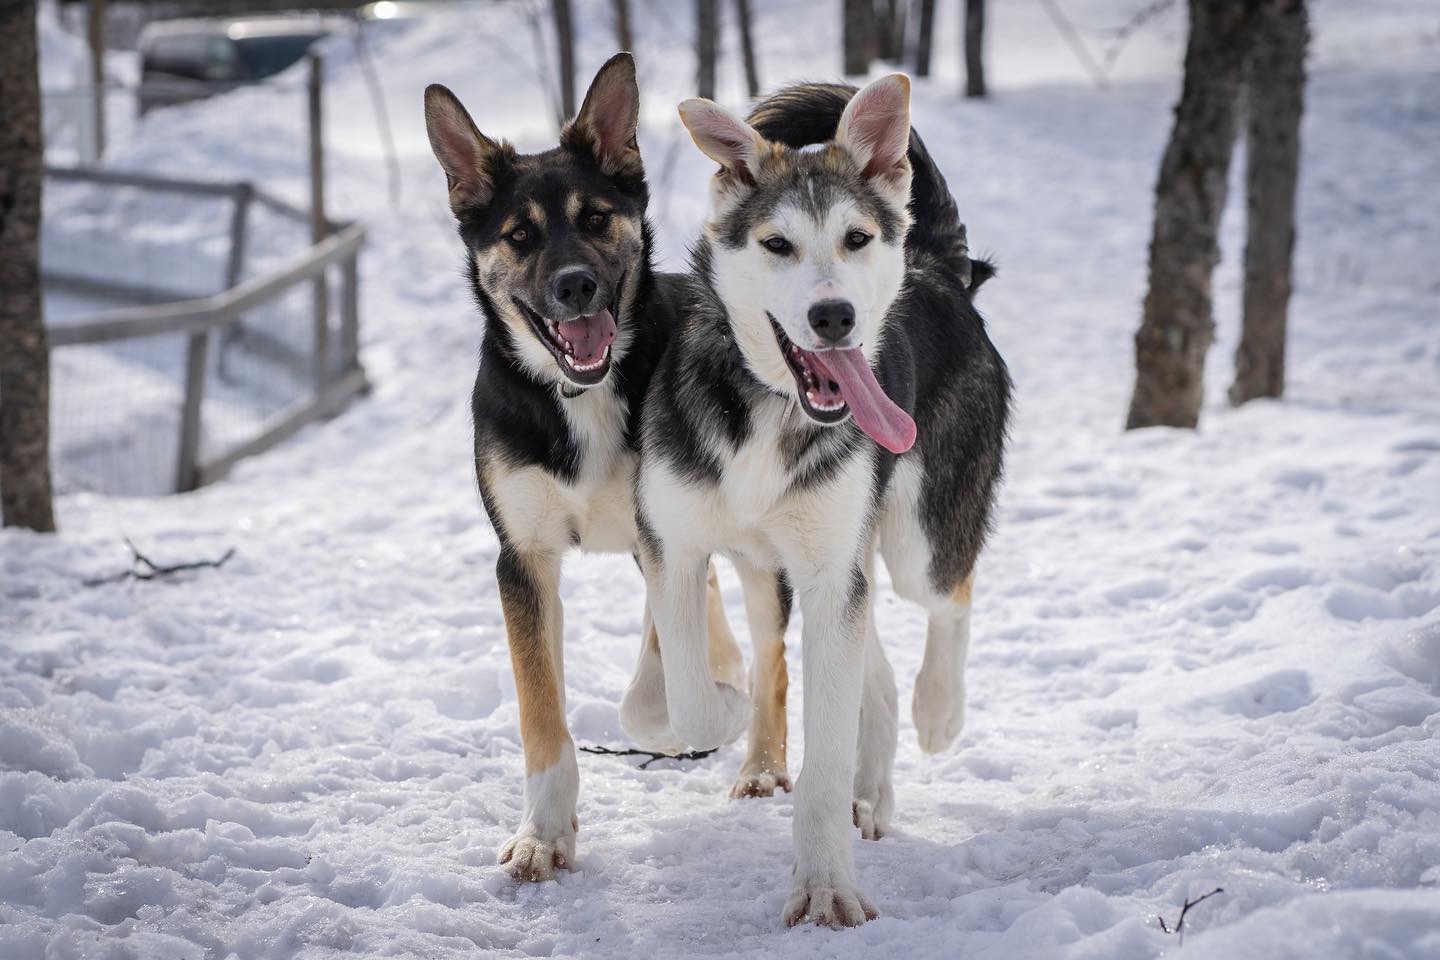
{"points": [[856, 239], [777, 245]]}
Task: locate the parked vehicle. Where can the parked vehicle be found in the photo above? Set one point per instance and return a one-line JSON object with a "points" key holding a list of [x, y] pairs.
{"points": [[182, 60]]}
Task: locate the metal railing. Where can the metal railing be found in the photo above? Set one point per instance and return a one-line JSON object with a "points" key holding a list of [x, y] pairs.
{"points": [[335, 374]]}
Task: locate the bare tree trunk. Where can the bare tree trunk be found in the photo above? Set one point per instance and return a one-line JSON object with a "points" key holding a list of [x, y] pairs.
{"points": [[1176, 327], [925, 39], [747, 47], [859, 25], [706, 39], [25, 495], [974, 48], [565, 44], [95, 37], [623, 36], [1275, 94]]}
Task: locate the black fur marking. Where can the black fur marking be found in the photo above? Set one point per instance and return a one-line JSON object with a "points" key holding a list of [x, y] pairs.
{"points": [[786, 598], [859, 593]]}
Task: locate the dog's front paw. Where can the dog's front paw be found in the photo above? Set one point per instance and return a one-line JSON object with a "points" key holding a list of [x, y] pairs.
{"points": [[760, 783], [938, 709], [531, 858], [828, 900], [716, 722]]}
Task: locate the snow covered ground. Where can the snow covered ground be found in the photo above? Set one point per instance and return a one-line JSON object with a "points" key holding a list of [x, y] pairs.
{"points": [[1201, 660]]}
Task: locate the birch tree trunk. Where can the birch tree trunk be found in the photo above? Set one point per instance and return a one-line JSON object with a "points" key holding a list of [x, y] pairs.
{"points": [[1275, 97], [1176, 326], [25, 494]]}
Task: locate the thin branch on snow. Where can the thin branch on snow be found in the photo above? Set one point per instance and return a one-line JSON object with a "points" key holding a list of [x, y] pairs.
{"points": [[688, 755], [1180, 923], [143, 568]]}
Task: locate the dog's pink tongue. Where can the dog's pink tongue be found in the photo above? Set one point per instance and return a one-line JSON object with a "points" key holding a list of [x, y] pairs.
{"points": [[877, 414], [589, 336]]}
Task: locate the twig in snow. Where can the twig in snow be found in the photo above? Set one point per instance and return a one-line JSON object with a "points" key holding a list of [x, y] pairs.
{"points": [[143, 568], [688, 755], [1184, 909]]}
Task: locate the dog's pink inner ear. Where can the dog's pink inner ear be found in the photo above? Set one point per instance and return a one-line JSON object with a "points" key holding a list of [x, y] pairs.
{"points": [[611, 113], [459, 146], [875, 127], [727, 140]]}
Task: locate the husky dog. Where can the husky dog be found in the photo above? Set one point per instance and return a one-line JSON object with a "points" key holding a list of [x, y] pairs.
{"points": [[558, 252], [830, 390]]}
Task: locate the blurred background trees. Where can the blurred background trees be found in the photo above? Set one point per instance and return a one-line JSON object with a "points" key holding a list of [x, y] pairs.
{"points": [[1242, 55]]}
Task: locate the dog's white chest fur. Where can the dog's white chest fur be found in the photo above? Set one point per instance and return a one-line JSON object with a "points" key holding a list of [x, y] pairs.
{"points": [[597, 509]]}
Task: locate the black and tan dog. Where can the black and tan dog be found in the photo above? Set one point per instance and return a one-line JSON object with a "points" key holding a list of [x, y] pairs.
{"points": [[558, 251]]}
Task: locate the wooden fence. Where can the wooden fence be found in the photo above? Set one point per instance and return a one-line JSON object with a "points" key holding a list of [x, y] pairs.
{"points": [[336, 374]]}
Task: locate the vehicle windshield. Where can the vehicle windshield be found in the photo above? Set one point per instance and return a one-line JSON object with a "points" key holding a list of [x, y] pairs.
{"points": [[266, 56]]}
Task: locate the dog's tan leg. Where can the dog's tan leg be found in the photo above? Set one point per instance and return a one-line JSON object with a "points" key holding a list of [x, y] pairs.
{"points": [[938, 706], [530, 599], [767, 608]]}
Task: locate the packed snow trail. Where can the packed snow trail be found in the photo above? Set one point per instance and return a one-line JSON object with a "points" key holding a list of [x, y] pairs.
{"points": [[1201, 660]]}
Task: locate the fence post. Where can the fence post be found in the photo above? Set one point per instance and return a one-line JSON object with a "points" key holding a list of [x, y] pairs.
{"points": [[187, 458], [319, 226], [350, 314]]}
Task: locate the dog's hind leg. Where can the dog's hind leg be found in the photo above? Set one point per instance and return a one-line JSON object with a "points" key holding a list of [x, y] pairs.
{"points": [[938, 707], [767, 608], [530, 598], [643, 713], [879, 732]]}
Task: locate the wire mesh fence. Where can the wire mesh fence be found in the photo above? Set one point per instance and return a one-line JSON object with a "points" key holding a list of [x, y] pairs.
{"points": [[164, 395]]}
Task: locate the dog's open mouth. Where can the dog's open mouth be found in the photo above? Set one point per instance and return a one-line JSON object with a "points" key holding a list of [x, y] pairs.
{"points": [[837, 383], [820, 396], [581, 345]]}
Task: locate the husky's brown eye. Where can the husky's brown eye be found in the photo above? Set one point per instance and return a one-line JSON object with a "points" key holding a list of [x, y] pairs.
{"points": [[518, 236], [856, 239], [597, 221], [777, 245]]}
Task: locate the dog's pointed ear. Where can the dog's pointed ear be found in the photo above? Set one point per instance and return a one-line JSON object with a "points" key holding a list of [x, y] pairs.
{"points": [[608, 119], [724, 138], [466, 155], [875, 129]]}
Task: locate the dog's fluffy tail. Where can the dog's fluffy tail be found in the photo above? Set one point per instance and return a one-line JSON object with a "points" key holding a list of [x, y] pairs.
{"points": [[807, 113]]}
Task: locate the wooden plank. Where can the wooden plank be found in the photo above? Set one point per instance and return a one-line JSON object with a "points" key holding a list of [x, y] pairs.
{"points": [[207, 312], [350, 313], [187, 458], [329, 402], [319, 226], [108, 289], [122, 178], [239, 222]]}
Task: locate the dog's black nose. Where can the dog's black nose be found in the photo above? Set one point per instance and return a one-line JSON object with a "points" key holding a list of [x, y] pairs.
{"points": [[574, 289], [832, 319]]}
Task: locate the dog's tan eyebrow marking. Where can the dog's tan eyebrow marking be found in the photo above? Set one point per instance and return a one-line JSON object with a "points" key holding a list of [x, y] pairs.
{"points": [[536, 212], [510, 226], [573, 203]]}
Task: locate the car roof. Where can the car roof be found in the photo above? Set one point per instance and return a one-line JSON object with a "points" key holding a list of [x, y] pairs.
{"points": [[238, 28]]}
